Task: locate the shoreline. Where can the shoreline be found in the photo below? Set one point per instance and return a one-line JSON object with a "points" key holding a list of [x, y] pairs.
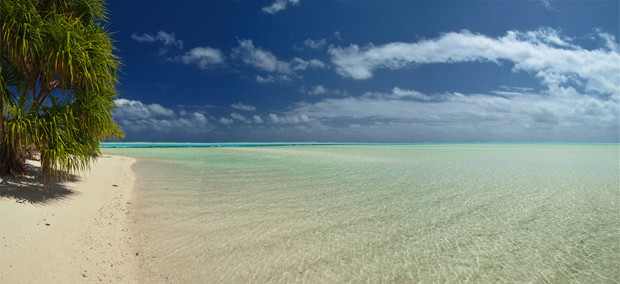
{"points": [[150, 145], [77, 232]]}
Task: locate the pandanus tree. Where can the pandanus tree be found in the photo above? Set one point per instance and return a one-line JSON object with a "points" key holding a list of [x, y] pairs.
{"points": [[58, 83]]}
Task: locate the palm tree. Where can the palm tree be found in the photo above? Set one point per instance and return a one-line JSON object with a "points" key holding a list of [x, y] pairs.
{"points": [[59, 77]]}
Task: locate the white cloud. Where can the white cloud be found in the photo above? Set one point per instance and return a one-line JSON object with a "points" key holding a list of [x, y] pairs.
{"points": [[547, 4], [278, 6], [561, 114], [300, 64], [338, 35], [199, 117], [139, 117], [129, 109], [398, 93], [265, 80], [289, 118], [321, 90], [257, 119], [315, 44], [225, 120], [167, 39], [242, 118], [608, 39], [245, 107], [274, 118], [265, 61], [552, 58], [273, 79], [259, 58], [239, 117], [205, 57], [197, 106], [318, 90]]}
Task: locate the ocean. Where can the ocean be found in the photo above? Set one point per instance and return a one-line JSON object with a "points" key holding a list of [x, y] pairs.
{"points": [[332, 213]]}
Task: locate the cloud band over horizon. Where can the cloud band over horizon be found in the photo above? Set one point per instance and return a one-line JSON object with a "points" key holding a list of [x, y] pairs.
{"points": [[578, 101]]}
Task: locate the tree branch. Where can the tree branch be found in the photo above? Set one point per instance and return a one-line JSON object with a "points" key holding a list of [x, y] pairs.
{"points": [[45, 92]]}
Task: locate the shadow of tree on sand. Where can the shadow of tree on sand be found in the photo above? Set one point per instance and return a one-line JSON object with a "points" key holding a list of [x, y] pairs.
{"points": [[30, 189]]}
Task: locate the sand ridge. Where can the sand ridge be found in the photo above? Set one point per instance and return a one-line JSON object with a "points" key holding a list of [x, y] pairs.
{"points": [[75, 233]]}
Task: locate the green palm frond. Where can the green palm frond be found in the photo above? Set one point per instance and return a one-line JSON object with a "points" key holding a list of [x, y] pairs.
{"points": [[59, 75]]}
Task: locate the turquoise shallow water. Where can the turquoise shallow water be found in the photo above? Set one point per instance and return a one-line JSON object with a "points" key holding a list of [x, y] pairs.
{"points": [[380, 213]]}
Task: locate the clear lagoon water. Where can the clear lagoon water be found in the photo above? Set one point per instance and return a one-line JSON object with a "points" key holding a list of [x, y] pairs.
{"points": [[379, 213]]}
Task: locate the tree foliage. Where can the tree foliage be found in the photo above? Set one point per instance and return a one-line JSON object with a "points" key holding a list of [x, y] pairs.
{"points": [[58, 83]]}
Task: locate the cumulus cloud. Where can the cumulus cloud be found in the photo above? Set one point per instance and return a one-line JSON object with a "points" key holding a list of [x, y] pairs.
{"points": [[318, 90], [129, 109], [288, 118], [554, 59], [337, 35], [259, 58], [168, 39], [547, 4], [608, 40], [265, 80], [204, 57], [257, 119], [240, 117], [202, 107], [225, 120], [315, 44], [321, 90], [400, 94], [139, 117], [266, 61], [274, 118], [282, 78], [515, 114], [300, 64], [278, 6], [245, 107]]}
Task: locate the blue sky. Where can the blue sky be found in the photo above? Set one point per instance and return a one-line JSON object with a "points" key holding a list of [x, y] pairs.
{"points": [[368, 71]]}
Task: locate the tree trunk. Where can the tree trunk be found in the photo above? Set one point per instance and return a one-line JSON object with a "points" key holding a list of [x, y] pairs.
{"points": [[47, 176], [12, 161]]}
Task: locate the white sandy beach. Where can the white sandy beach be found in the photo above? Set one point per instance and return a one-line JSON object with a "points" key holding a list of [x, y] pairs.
{"points": [[76, 233]]}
